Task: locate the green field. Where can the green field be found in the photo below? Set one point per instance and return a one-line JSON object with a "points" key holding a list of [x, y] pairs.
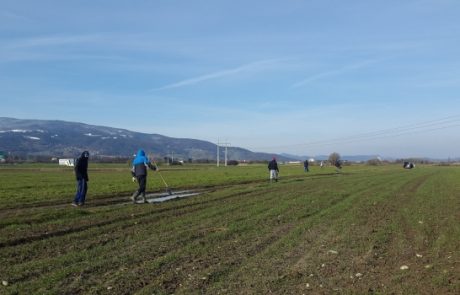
{"points": [[320, 232]]}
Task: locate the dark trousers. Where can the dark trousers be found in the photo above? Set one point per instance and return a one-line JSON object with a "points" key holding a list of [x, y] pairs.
{"points": [[142, 181], [82, 188]]}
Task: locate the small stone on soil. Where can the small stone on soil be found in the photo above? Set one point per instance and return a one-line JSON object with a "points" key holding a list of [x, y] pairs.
{"points": [[358, 275], [333, 252], [419, 255], [404, 267], [5, 283]]}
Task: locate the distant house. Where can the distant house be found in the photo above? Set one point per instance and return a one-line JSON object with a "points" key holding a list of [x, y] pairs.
{"points": [[67, 162]]}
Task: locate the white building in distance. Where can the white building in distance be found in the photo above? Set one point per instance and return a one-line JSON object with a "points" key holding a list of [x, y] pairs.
{"points": [[67, 162]]}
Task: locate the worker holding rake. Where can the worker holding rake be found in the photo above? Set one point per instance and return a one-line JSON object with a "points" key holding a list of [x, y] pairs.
{"points": [[139, 173]]}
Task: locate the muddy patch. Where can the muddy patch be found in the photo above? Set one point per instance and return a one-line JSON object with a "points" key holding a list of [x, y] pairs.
{"points": [[163, 197]]}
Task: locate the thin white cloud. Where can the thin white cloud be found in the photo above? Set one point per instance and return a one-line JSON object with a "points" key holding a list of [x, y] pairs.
{"points": [[11, 15], [335, 72], [46, 57], [448, 82], [52, 48], [254, 66], [48, 41]]}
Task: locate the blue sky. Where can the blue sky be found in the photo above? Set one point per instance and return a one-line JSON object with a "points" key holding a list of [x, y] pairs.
{"points": [[303, 77]]}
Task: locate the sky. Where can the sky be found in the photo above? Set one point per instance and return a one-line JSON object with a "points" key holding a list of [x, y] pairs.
{"points": [[372, 77]]}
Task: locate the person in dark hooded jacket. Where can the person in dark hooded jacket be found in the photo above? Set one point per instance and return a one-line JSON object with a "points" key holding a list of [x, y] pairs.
{"points": [[273, 169], [139, 173], [305, 166], [81, 174]]}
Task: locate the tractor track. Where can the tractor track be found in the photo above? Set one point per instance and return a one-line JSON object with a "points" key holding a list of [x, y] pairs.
{"points": [[121, 199], [151, 214]]}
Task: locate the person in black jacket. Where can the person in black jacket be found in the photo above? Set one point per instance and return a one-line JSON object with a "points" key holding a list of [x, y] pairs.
{"points": [[338, 166], [81, 174], [273, 168], [305, 166], [139, 173]]}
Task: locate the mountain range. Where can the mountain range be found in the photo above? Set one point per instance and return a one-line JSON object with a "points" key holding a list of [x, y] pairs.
{"points": [[68, 139]]}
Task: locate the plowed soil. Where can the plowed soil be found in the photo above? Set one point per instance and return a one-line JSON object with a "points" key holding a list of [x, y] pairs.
{"points": [[376, 231]]}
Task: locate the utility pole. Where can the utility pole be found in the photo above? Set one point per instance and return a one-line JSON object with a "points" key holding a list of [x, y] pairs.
{"points": [[218, 156], [222, 144], [225, 156]]}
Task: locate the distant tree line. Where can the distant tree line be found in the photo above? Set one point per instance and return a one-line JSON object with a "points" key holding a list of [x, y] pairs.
{"points": [[414, 160], [332, 160], [22, 158]]}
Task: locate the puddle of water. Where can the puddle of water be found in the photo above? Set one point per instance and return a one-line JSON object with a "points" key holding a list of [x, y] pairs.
{"points": [[162, 197], [171, 197]]}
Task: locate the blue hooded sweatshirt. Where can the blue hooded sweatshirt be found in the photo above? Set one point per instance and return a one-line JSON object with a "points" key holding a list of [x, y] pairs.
{"points": [[141, 158], [140, 164]]}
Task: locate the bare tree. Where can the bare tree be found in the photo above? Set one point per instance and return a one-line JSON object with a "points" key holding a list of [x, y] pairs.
{"points": [[374, 162], [334, 159]]}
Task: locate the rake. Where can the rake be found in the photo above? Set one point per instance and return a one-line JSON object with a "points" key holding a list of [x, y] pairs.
{"points": [[168, 190]]}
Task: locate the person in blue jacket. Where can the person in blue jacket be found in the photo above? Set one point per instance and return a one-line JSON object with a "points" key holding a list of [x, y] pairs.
{"points": [[81, 174], [139, 173]]}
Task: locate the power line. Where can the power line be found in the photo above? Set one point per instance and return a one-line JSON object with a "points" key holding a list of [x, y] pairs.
{"points": [[426, 126]]}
